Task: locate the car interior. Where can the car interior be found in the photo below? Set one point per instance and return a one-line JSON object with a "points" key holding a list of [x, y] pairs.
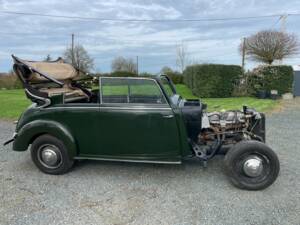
{"points": [[44, 80]]}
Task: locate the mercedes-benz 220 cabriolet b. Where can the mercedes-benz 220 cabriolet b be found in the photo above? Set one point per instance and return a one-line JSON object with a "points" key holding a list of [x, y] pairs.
{"points": [[134, 119]]}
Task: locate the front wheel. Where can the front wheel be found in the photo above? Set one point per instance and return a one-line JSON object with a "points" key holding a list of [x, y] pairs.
{"points": [[251, 165], [50, 155]]}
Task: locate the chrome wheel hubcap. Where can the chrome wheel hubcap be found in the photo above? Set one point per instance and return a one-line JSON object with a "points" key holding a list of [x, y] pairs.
{"points": [[49, 156], [253, 166]]}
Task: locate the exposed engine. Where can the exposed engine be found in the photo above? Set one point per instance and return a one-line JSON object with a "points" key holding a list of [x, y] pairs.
{"points": [[229, 127], [209, 132]]}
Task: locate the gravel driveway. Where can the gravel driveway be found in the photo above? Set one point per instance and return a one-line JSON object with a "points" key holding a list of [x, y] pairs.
{"points": [[123, 193]]}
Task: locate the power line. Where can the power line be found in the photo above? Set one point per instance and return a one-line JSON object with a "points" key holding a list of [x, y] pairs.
{"points": [[167, 43], [146, 20]]}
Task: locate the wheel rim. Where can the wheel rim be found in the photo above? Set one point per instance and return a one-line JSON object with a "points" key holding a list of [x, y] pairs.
{"points": [[253, 166], [49, 156]]}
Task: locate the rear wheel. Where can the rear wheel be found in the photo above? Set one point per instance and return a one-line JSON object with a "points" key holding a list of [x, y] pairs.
{"points": [[251, 165], [50, 155]]}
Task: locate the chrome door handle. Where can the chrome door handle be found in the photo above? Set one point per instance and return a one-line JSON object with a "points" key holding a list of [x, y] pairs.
{"points": [[168, 116]]}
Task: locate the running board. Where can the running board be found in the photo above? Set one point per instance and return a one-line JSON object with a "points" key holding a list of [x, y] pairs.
{"points": [[130, 160]]}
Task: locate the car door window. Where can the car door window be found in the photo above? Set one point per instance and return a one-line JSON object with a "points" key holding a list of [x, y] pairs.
{"points": [[131, 90], [114, 90], [145, 91]]}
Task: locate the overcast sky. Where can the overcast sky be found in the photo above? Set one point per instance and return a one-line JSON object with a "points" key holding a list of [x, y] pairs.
{"points": [[33, 37]]}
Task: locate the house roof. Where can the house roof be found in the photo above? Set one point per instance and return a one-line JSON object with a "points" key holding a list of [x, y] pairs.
{"points": [[296, 67]]}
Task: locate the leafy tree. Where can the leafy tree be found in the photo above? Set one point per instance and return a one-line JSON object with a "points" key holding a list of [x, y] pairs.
{"points": [[79, 58], [175, 76], [166, 70], [269, 45]]}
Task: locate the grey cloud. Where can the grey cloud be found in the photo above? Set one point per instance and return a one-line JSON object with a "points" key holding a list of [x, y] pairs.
{"points": [[153, 42]]}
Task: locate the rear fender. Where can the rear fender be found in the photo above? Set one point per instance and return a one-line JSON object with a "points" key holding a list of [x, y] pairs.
{"points": [[26, 135]]}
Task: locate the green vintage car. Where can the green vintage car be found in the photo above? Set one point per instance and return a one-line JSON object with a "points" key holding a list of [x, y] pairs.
{"points": [[134, 119]]}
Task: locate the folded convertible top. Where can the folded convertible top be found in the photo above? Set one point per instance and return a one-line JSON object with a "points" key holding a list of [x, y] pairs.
{"points": [[36, 76], [57, 69]]}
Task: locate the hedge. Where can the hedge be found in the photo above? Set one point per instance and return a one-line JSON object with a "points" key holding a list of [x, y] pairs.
{"points": [[212, 80], [269, 78], [176, 77], [123, 74]]}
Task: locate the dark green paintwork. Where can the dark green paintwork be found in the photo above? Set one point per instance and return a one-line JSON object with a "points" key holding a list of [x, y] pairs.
{"points": [[109, 131]]}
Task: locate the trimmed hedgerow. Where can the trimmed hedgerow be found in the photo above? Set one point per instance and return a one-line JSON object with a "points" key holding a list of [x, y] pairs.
{"points": [[212, 80]]}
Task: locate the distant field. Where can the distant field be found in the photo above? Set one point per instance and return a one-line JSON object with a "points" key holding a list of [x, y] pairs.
{"points": [[13, 102]]}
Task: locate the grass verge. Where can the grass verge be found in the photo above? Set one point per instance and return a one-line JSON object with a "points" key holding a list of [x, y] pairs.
{"points": [[13, 102], [262, 105]]}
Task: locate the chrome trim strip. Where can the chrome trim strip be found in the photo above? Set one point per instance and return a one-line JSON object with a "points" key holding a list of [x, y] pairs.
{"points": [[15, 134], [129, 160], [137, 108], [46, 100], [138, 78], [72, 107], [124, 108]]}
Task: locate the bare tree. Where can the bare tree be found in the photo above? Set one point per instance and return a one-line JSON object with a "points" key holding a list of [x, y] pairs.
{"points": [[181, 57], [48, 58], [82, 61], [269, 45], [124, 64]]}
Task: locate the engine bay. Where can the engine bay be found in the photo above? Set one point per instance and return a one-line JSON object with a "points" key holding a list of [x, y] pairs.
{"points": [[209, 131], [230, 126]]}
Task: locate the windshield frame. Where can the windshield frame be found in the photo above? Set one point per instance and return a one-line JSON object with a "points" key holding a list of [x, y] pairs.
{"points": [[175, 95], [169, 82]]}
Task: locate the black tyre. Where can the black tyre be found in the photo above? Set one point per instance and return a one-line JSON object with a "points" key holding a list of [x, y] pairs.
{"points": [[50, 155], [251, 165]]}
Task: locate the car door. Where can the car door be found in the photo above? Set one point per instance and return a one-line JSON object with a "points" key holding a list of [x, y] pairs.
{"points": [[136, 121]]}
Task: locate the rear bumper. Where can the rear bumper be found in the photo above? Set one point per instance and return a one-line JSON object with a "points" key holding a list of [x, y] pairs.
{"points": [[12, 139]]}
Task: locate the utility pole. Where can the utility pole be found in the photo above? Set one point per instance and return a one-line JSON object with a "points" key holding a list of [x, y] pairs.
{"points": [[243, 53], [282, 19], [72, 49], [137, 65], [283, 22]]}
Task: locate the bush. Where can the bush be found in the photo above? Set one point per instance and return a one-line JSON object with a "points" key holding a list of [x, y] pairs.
{"points": [[176, 77], [10, 81], [269, 78], [123, 74], [212, 80]]}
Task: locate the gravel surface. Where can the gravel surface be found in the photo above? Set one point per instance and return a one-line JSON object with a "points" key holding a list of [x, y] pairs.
{"points": [[124, 193]]}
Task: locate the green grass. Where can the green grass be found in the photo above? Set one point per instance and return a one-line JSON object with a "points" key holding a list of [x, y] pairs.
{"points": [[262, 105], [13, 102]]}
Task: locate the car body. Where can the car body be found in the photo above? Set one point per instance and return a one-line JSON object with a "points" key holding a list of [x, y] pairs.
{"points": [[152, 132], [134, 119]]}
